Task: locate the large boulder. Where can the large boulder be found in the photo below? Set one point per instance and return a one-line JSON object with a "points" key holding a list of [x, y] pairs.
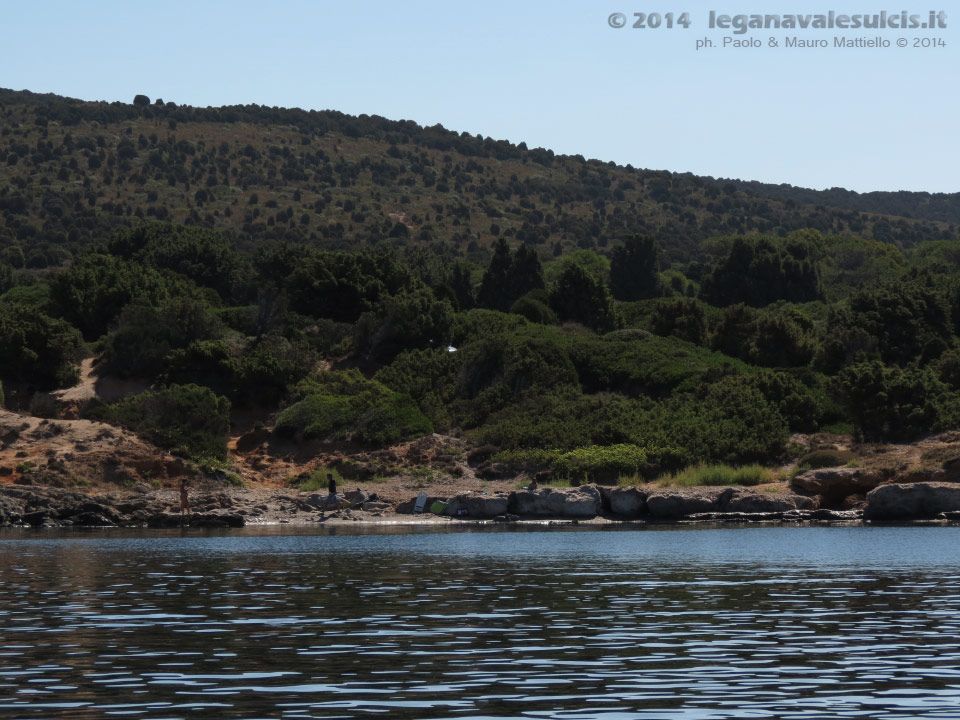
{"points": [[674, 503], [580, 502], [746, 501], [474, 505], [836, 484], [627, 502], [908, 501], [680, 502]]}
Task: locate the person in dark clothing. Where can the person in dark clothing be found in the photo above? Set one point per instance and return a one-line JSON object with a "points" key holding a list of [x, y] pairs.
{"points": [[184, 497], [332, 502]]}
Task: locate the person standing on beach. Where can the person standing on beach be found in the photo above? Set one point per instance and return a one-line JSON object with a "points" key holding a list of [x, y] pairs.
{"points": [[331, 501], [331, 490], [184, 497]]}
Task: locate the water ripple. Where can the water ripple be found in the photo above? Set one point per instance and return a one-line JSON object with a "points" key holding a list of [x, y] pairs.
{"points": [[707, 624]]}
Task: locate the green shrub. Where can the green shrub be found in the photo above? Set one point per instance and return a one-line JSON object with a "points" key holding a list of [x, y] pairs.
{"points": [[534, 310], [146, 334], [891, 404], [747, 475], [37, 349], [317, 480], [346, 406], [826, 458], [601, 462], [476, 324], [188, 418], [428, 376], [531, 458]]}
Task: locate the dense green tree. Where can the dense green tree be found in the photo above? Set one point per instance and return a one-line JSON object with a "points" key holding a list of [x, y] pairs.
{"points": [[495, 287], [36, 349], [891, 404], [780, 338], [341, 286], [902, 316], [581, 297], [346, 406], [411, 319], [761, 270], [509, 277], [13, 256], [145, 335], [534, 306], [190, 419], [526, 274], [635, 269], [204, 256], [461, 285], [685, 318], [93, 291], [6, 278]]}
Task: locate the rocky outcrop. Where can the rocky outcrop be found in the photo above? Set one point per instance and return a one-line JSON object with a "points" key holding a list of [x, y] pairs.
{"points": [[474, 505], [672, 503], [910, 501], [835, 485], [624, 502], [742, 501], [53, 507], [581, 502]]}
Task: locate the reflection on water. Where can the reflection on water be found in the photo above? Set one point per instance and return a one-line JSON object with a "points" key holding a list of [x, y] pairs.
{"points": [[753, 623]]}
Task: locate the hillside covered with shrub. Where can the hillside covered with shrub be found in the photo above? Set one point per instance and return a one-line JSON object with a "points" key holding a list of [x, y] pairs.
{"points": [[361, 282]]}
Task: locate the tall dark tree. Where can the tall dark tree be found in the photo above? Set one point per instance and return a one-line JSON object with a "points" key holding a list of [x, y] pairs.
{"points": [[460, 285], [759, 271], [635, 269], [526, 274], [582, 297], [495, 285], [509, 278]]}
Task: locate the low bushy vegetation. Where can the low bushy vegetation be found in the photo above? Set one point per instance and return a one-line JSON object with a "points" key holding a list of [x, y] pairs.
{"points": [[190, 419], [518, 299], [702, 474], [826, 458], [604, 463], [346, 406]]}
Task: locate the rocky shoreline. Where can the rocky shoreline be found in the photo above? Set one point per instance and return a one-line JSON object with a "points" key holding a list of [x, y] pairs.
{"points": [[39, 507], [80, 473]]}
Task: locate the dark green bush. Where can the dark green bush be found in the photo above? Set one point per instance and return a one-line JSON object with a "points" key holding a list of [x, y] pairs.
{"points": [[478, 324], [891, 404], [93, 291], [201, 254], [188, 418], [429, 377], [346, 406], [145, 335], [534, 310], [826, 459], [610, 462], [36, 349], [761, 270], [581, 297]]}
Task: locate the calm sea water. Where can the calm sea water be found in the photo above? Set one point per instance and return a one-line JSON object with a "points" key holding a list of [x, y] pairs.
{"points": [[610, 624]]}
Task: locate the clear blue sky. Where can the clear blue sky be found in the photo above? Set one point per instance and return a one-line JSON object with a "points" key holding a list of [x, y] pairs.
{"points": [[553, 74]]}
